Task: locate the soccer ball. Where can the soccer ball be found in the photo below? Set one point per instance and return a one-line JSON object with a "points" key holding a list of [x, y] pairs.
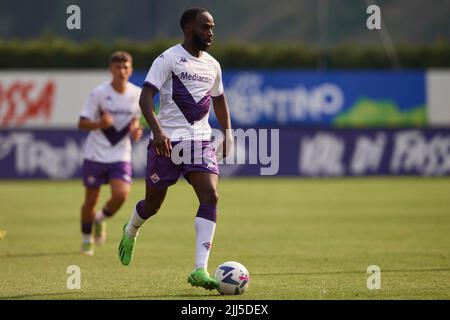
{"points": [[233, 278]]}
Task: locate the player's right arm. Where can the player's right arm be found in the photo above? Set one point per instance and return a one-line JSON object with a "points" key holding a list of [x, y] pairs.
{"points": [[160, 141], [156, 77], [89, 116], [86, 124]]}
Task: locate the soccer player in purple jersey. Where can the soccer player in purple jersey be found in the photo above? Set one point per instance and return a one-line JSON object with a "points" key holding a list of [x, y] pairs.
{"points": [[187, 79], [111, 115]]}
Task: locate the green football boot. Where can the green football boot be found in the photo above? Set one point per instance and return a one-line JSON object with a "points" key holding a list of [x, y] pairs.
{"points": [[87, 248], [126, 248], [100, 233], [201, 278]]}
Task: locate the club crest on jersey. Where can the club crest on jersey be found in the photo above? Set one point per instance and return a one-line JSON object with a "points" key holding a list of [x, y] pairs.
{"points": [[154, 177], [207, 245]]}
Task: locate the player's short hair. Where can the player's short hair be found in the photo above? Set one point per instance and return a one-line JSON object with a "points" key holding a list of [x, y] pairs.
{"points": [[120, 56], [189, 15]]}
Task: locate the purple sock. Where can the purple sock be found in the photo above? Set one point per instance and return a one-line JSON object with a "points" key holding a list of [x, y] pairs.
{"points": [[107, 213], [207, 211], [86, 228], [140, 209]]}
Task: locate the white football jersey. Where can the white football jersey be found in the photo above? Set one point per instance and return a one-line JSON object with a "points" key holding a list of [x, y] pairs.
{"points": [[185, 84], [112, 144]]}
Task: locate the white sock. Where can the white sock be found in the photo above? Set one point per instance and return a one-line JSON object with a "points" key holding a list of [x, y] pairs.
{"points": [[134, 224], [204, 233], [100, 216], [87, 238]]}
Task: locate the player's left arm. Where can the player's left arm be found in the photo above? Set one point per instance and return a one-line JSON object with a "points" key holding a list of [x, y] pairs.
{"points": [[136, 129], [223, 116]]}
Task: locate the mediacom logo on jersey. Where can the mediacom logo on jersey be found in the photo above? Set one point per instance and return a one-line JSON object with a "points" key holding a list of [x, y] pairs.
{"points": [[195, 77]]}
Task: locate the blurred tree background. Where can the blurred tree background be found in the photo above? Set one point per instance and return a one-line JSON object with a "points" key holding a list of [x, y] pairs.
{"points": [[263, 33]]}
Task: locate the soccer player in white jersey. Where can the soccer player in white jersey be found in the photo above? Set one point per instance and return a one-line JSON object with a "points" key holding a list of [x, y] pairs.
{"points": [[187, 79], [111, 114]]}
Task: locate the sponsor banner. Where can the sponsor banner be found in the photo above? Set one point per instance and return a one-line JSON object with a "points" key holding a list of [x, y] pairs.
{"points": [[54, 154], [348, 99], [351, 152], [438, 98], [337, 99], [333, 99], [43, 99], [57, 154]]}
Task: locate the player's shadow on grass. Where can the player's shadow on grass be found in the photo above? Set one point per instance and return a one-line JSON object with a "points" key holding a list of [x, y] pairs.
{"points": [[38, 254], [173, 296], [46, 296], [37, 295], [346, 272]]}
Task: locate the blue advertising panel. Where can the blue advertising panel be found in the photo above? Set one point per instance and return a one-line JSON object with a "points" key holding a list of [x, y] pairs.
{"points": [[350, 99], [349, 152], [57, 154], [53, 154]]}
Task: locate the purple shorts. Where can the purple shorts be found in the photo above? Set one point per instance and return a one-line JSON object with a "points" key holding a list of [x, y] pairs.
{"points": [[97, 173], [163, 172]]}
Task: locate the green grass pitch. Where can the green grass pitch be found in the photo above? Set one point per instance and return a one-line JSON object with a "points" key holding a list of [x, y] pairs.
{"points": [[299, 239]]}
